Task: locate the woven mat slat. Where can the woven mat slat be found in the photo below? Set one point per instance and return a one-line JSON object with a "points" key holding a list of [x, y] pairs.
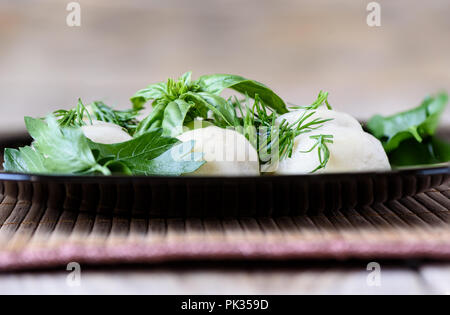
{"points": [[36, 232], [438, 203], [446, 193]]}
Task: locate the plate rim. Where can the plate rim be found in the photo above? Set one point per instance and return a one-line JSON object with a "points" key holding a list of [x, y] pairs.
{"points": [[25, 177]]}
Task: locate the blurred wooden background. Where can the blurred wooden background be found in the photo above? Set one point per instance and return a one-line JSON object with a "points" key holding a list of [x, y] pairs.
{"points": [[297, 47]]}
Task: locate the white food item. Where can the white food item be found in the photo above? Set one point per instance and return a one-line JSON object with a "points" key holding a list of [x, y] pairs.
{"points": [[226, 152], [340, 119], [352, 149], [105, 133]]}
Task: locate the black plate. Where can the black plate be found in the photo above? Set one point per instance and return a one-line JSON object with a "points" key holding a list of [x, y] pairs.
{"points": [[223, 196], [218, 196]]}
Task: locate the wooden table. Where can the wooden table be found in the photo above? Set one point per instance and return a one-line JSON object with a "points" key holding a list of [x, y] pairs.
{"points": [[336, 278]]}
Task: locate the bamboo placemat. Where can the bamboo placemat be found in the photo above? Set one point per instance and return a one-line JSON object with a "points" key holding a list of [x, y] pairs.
{"points": [[36, 233]]}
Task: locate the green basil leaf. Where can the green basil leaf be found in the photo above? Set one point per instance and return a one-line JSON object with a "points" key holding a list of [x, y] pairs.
{"points": [[152, 92], [164, 92], [174, 162], [432, 150], [417, 123], [216, 83], [222, 110], [152, 121], [174, 116], [146, 147], [186, 78], [197, 124], [117, 167]]}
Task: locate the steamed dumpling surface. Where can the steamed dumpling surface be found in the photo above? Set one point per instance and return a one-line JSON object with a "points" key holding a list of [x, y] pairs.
{"points": [[105, 133], [352, 149], [340, 119], [226, 152]]}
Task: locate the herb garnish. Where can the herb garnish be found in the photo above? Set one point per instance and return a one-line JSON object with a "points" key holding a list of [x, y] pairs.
{"points": [[81, 115], [417, 123], [60, 146], [73, 117], [55, 150], [127, 119], [322, 99], [177, 103], [276, 141], [409, 137], [322, 150], [65, 150]]}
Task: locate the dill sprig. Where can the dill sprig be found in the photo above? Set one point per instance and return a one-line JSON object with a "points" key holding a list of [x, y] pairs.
{"points": [[73, 117], [322, 150], [322, 99], [288, 132], [262, 130], [81, 115], [127, 119]]}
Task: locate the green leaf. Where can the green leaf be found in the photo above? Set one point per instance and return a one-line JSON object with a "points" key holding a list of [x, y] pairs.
{"points": [[216, 83], [149, 154], [174, 116], [171, 109], [152, 92], [223, 111], [117, 167], [432, 150], [185, 79], [33, 160], [127, 119], [176, 103], [152, 121], [66, 150], [174, 162], [146, 147], [74, 117], [417, 123], [164, 92], [81, 115], [14, 161], [197, 124]]}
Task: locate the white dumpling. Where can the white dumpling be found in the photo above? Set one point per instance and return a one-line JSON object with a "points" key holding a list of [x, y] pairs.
{"points": [[339, 118], [105, 133], [226, 152], [352, 149]]}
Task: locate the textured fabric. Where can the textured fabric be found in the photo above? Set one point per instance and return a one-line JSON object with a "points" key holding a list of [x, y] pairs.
{"points": [[36, 235]]}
